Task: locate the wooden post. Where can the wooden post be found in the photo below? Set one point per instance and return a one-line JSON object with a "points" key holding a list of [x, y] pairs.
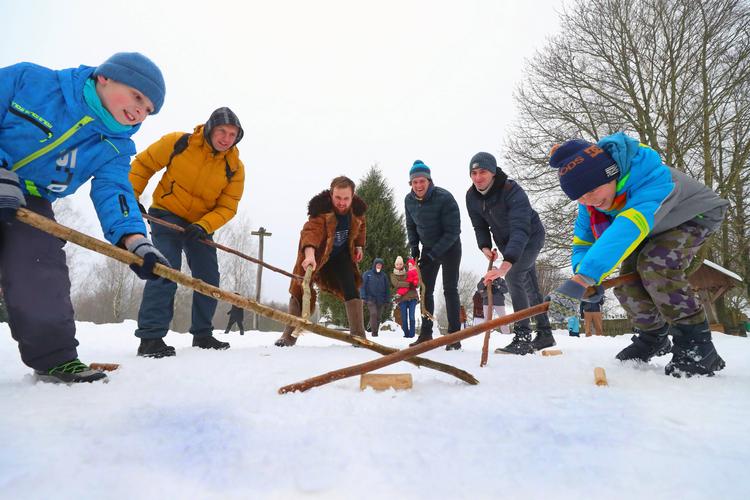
{"points": [[552, 352], [600, 377], [260, 233]]}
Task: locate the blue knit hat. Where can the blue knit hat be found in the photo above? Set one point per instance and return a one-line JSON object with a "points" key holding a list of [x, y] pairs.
{"points": [[485, 161], [419, 169], [582, 166], [138, 71]]}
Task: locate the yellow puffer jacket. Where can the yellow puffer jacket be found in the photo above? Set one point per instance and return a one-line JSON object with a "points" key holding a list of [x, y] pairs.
{"points": [[195, 186]]}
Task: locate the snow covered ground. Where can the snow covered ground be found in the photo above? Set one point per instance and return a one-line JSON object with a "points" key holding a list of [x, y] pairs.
{"points": [[211, 425]]}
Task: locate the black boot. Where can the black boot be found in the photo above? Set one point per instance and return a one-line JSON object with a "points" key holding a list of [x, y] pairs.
{"points": [[209, 342], [521, 344], [646, 345], [455, 346], [155, 348], [423, 337], [72, 372], [693, 352], [543, 340]]}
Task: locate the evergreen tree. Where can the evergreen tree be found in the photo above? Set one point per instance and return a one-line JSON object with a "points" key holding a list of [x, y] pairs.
{"points": [[386, 237]]}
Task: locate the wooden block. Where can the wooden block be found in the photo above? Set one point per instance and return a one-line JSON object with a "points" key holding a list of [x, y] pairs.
{"points": [[552, 352], [600, 378], [104, 367], [383, 381]]}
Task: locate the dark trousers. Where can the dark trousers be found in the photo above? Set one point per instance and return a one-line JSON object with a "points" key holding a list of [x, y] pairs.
{"points": [[238, 322], [157, 305], [375, 311], [450, 262], [340, 265], [36, 287], [524, 288]]}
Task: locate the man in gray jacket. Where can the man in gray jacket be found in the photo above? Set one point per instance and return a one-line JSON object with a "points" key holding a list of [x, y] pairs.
{"points": [[499, 209]]}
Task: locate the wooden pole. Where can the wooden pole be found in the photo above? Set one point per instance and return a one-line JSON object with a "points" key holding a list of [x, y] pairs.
{"points": [[260, 233], [210, 243], [490, 304], [49, 226], [458, 336]]}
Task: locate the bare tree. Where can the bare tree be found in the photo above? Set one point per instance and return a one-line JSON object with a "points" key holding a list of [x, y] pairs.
{"points": [[673, 73]]}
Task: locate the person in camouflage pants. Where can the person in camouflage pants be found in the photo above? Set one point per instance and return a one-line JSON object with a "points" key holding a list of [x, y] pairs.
{"points": [[636, 213], [663, 294]]}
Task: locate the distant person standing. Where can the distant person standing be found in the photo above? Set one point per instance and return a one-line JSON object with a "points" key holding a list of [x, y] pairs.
{"points": [[236, 316], [499, 289], [433, 220], [377, 293], [406, 296], [499, 209], [592, 317]]}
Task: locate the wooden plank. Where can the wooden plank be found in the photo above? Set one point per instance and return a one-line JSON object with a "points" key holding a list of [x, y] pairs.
{"points": [[552, 352], [384, 381], [600, 377]]}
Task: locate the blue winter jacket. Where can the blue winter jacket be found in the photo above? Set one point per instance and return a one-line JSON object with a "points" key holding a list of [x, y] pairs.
{"points": [[375, 285], [50, 137], [656, 198], [434, 221]]}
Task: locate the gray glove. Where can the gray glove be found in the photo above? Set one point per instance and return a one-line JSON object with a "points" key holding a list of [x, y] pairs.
{"points": [[11, 196], [143, 248]]}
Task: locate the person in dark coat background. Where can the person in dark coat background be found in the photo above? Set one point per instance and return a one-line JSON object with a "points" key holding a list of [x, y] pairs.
{"points": [[236, 316]]}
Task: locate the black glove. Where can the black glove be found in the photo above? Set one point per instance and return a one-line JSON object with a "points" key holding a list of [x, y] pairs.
{"points": [[415, 253], [425, 260], [195, 232], [565, 300], [142, 208], [11, 196], [143, 248], [595, 297]]}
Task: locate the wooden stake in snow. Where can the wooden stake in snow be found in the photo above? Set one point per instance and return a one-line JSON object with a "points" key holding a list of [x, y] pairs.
{"points": [[384, 381], [104, 367], [552, 352], [49, 226], [306, 300], [600, 378], [490, 307]]}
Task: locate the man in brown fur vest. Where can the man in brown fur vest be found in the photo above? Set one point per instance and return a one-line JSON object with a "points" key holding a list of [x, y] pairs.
{"points": [[331, 242]]}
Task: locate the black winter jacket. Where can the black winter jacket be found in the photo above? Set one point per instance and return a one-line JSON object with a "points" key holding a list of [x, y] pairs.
{"points": [[506, 214], [434, 221]]}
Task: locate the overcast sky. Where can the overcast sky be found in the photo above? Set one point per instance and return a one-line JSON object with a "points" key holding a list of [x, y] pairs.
{"points": [[322, 88]]}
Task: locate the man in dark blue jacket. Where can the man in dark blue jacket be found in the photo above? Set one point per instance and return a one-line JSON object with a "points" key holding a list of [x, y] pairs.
{"points": [[376, 292], [499, 209], [433, 219]]}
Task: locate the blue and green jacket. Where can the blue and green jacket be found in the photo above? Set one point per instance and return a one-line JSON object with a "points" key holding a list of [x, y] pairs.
{"points": [[651, 198], [55, 143]]}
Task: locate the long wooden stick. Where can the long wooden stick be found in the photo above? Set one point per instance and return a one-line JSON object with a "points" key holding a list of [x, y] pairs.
{"points": [[210, 243], [306, 300], [405, 354], [486, 343], [49, 226]]}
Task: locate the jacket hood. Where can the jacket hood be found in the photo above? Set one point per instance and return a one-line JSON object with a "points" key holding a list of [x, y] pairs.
{"points": [[321, 203], [222, 116], [376, 261]]}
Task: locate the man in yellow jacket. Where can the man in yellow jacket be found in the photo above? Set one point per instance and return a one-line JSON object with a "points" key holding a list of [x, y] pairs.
{"points": [[200, 191]]}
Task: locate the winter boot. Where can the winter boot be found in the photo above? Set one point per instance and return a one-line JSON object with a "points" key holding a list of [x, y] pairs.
{"points": [[356, 318], [646, 345], [521, 345], [425, 332], [543, 340], [72, 372], [693, 352], [455, 346], [286, 339], [209, 342], [155, 348]]}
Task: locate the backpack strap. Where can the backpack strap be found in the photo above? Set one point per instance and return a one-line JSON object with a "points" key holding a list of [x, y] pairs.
{"points": [[179, 146]]}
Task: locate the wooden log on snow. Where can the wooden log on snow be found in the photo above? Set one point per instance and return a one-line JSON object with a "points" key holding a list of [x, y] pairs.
{"points": [[600, 377], [384, 381], [104, 367], [552, 352]]}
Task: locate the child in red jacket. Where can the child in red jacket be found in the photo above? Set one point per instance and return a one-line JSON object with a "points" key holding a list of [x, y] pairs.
{"points": [[412, 277]]}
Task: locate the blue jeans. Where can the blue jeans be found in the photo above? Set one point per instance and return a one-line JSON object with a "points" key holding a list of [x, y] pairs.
{"points": [[157, 305], [407, 308]]}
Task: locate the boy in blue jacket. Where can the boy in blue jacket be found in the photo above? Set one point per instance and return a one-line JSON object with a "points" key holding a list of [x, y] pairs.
{"points": [[636, 213], [58, 129]]}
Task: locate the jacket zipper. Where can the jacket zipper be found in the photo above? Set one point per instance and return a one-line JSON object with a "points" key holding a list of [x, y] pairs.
{"points": [[29, 119], [49, 147]]}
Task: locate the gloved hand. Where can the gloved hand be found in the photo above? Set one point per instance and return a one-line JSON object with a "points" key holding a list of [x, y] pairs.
{"points": [[415, 253], [425, 260], [195, 232], [565, 300], [143, 248], [11, 196], [596, 296]]}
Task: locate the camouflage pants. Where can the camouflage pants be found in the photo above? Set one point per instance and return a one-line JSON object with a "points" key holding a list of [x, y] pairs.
{"points": [[663, 293]]}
